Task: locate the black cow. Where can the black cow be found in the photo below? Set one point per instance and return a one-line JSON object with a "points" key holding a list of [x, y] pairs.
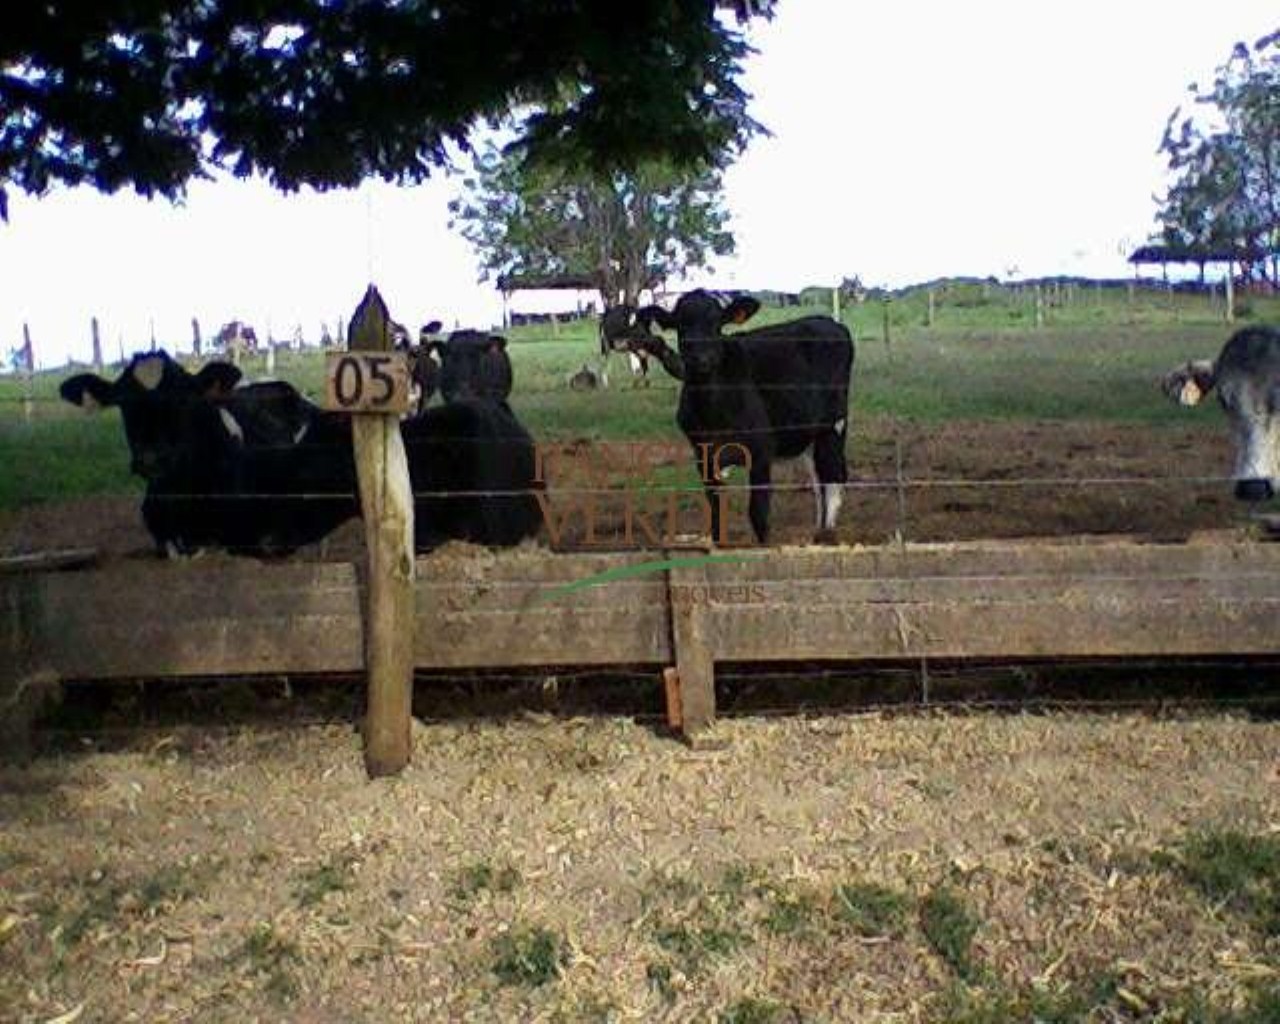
{"points": [[474, 364], [777, 392], [260, 470], [255, 469]]}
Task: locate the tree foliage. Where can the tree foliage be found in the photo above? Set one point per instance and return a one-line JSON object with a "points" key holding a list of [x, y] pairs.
{"points": [[1225, 161], [626, 231], [151, 93]]}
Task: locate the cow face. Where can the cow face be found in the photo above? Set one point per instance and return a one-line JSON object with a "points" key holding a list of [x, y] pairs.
{"points": [[474, 365], [162, 405], [698, 320], [1246, 376]]}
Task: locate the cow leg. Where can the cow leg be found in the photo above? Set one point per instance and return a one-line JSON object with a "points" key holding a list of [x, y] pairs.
{"points": [[832, 473]]}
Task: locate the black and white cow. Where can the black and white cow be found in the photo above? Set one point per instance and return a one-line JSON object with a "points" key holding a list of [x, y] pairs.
{"points": [[1246, 376], [777, 392], [617, 324], [260, 470], [424, 369]]}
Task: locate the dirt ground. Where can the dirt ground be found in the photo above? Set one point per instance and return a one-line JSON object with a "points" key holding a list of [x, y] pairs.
{"points": [[848, 868], [969, 480]]}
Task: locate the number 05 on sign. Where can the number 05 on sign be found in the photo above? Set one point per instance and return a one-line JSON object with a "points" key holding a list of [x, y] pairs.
{"points": [[367, 382]]}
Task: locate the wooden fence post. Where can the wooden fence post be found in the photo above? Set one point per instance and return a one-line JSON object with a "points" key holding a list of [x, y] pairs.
{"points": [[28, 372], [693, 689], [928, 320], [97, 344], [196, 344], [1039, 306], [386, 502], [1229, 288]]}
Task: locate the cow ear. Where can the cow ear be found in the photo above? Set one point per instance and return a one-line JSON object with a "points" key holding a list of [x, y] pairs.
{"points": [[432, 327], [1190, 382], [740, 310], [497, 343], [217, 379], [89, 391]]}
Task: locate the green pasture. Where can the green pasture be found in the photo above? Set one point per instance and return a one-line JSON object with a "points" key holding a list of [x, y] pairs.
{"points": [[1097, 356]]}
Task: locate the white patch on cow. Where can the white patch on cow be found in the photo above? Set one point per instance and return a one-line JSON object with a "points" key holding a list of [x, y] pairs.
{"points": [[840, 426], [1190, 393], [634, 361], [302, 432], [148, 372], [832, 498], [171, 550], [232, 425], [1257, 444]]}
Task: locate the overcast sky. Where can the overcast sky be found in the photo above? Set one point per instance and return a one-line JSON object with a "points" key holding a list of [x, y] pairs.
{"points": [[911, 140]]}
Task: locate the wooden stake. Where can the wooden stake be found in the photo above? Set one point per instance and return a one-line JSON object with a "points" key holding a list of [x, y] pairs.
{"points": [[386, 501], [97, 344]]}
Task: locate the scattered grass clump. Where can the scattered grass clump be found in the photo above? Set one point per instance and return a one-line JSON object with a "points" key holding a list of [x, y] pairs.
{"points": [[753, 1011], [873, 911], [528, 956], [315, 884], [950, 927], [482, 876], [270, 957], [1235, 870]]}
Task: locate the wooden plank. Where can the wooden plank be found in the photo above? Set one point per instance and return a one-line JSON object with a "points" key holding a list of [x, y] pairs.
{"points": [[386, 503], [210, 617], [43, 561]]}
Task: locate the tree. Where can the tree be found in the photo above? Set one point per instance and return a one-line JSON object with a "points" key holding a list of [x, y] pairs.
{"points": [[152, 93], [1225, 195], [625, 231]]}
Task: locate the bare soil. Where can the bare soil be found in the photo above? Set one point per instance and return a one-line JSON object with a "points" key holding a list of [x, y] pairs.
{"points": [[965, 481], [590, 870]]}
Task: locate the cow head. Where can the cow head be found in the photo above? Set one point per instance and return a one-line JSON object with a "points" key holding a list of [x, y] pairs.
{"points": [[698, 319], [474, 365], [161, 404], [1246, 377]]}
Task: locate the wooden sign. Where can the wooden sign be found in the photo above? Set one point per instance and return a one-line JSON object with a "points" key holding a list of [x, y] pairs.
{"points": [[358, 381]]}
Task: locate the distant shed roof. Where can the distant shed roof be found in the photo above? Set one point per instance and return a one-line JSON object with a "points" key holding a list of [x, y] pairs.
{"points": [[546, 282]]}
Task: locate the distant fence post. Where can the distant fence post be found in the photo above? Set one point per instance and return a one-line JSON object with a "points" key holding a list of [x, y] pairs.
{"points": [[196, 343], [835, 303], [885, 304], [386, 502], [28, 372], [1229, 289], [1039, 305], [97, 344], [928, 319]]}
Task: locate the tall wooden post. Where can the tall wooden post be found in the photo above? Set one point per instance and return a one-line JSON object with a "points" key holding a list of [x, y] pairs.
{"points": [[196, 345], [386, 502], [97, 344], [1039, 306], [835, 303], [886, 321], [1229, 287], [928, 320]]}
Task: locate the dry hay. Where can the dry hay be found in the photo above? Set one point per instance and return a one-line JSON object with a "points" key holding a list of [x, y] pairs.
{"points": [[546, 869]]}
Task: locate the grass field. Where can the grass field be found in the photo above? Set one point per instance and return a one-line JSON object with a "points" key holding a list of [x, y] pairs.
{"points": [[1096, 359]]}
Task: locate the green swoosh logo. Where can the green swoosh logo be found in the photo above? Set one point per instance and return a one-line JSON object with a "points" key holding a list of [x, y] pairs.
{"points": [[624, 572]]}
